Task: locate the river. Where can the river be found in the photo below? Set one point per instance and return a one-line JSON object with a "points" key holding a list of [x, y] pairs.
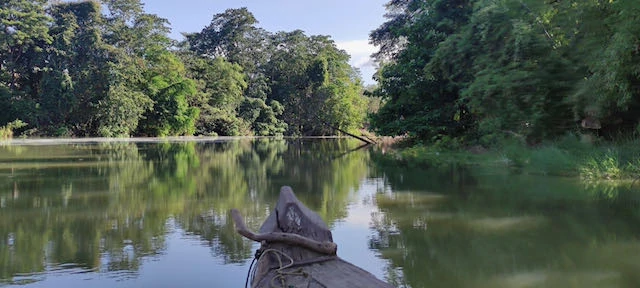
{"points": [[154, 213]]}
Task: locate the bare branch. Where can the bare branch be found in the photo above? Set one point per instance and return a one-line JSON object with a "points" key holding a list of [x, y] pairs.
{"points": [[326, 247]]}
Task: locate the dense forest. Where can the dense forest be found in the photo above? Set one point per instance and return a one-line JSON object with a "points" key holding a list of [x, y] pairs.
{"points": [[451, 71], [477, 71], [107, 68]]}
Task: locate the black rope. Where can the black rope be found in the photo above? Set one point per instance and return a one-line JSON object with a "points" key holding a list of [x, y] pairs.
{"points": [[246, 282], [255, 258]]}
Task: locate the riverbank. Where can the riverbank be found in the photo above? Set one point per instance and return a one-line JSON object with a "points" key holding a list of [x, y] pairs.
{"points": [[568, 156]]}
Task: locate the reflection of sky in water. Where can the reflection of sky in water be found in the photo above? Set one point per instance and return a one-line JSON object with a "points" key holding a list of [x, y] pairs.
{"points": [[187, 261], [352, 234]]}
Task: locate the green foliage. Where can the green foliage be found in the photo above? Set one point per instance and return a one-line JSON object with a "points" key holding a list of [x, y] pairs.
{"points": [[519, 80], [219, 82], [551, 160], [313, 81], [119, 113], [169, 89], [420, 99], [480, 69], [345, 106], [292, 83], [263, 118], [609, 89], [6, 131], [568, 156], [23, 43], [605, 166], [76, 80], [225, 35], [215, 121], [107, 68], [219, 93]]}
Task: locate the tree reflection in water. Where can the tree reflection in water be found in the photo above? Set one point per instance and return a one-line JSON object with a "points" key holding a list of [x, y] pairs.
{"points": [[452, 226], [106, 206]]}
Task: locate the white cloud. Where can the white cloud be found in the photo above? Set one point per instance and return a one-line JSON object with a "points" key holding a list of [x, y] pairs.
{"points": [[357, 46], [360, 51]]}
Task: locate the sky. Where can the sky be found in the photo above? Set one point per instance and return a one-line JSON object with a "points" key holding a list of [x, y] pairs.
{"points": [[348, 22]]}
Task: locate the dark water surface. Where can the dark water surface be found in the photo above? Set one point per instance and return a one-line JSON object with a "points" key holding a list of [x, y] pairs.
{"points": [[155, 214]]}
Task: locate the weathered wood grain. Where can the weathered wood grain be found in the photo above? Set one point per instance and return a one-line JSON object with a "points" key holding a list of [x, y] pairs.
{"points": [[288, 238]]}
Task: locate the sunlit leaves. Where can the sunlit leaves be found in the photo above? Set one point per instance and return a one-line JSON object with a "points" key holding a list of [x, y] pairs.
{"points": [[107, 68], [169, 89], [301, 73]]}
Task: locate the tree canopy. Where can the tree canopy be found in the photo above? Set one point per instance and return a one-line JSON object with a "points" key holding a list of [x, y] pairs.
{"points": [[477, 70], [108, 68]]}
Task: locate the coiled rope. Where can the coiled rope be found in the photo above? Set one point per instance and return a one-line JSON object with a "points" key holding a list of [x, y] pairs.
{"points": [[280, 277]]}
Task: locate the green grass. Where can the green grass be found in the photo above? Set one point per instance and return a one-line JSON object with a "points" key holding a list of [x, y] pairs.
{"points": [[567, 156], [602, 166], [552, 160], [429, 157]]}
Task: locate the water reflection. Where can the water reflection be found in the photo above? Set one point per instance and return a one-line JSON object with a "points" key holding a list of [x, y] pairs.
{"points": [[106, 207], [148, 214], [470, 227]]}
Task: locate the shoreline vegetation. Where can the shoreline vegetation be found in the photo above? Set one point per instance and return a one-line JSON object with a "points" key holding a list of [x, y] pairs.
{"points": [[537, 87], [568, 156], [549, 88], [107, 68]]}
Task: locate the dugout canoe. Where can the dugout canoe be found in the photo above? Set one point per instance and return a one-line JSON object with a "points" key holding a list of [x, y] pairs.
{"points": [[297, 250]]}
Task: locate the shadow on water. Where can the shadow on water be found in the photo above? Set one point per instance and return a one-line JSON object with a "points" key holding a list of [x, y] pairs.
{"points": [[106, 207], [456, 226]]}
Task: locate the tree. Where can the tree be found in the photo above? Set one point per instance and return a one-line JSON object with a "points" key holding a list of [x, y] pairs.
{"points": [[107, 68], [77, 74], [23, 39], [226, 36], [519, 78], [263, 117], [311, 77], [608, 51], [419, 99], [149, 75], [169, 88], [283, 70], [220, 92]]}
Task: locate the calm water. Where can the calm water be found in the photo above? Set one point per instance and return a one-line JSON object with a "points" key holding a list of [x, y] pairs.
{"points": [[155, 214]]}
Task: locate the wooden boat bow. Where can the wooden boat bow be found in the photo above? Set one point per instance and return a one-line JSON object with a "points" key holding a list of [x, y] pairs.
{"points": [[298, 250], [325, 247]]}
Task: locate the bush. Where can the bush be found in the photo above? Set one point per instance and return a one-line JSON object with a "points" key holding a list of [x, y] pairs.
{"points": [[552, 160], [6, 131], [606, 166], [515, 152], [215, 121]]}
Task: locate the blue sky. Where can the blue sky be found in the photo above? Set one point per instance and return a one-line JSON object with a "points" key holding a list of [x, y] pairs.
{"points": [[348, 22]]}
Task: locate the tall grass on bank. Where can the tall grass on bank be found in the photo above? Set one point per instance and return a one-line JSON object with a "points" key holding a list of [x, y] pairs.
{"points": [[570, 157], [567, 156], [602, 166], [6, 131], [436, 157], [562, 157]]}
